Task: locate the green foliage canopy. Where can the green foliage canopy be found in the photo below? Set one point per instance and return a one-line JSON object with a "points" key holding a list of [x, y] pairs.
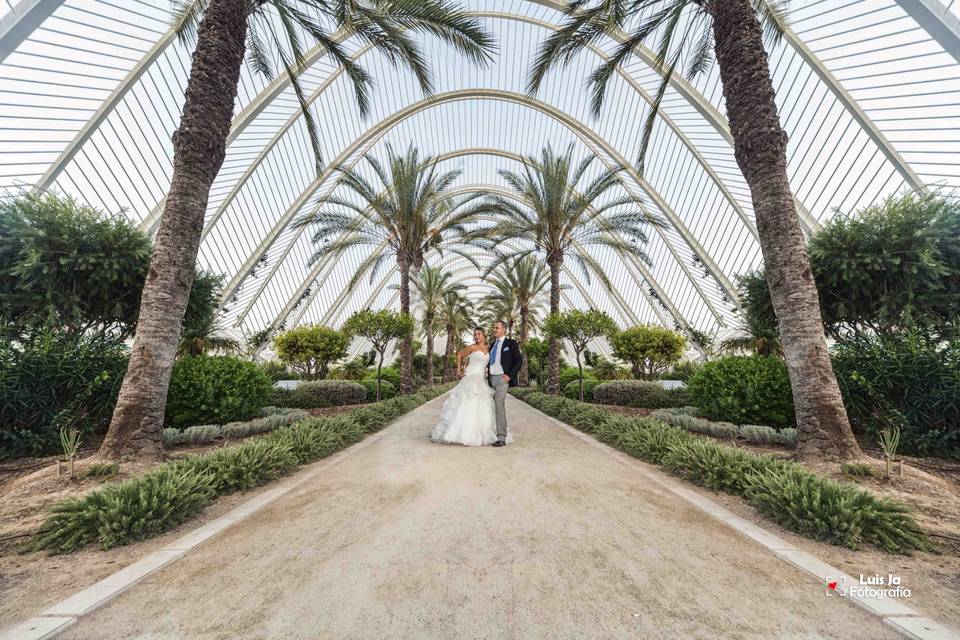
{"points": [[649, 350], [311, 349]]}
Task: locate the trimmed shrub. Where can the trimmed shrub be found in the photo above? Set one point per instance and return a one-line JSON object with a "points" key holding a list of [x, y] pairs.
{"points": [[387, 390], [49, 380], [572, 390], [744, 389], [327, 393], [281, 397], [822, 509], [638, 393], [572, 374], [390, 374], [215, 389]]}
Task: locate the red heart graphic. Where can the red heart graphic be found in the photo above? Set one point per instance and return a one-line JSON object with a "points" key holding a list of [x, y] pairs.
{"points": [[832, 585]]}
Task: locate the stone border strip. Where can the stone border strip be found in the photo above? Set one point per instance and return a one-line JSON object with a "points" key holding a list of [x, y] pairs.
{"points": [[57, 618], [908, 622]]}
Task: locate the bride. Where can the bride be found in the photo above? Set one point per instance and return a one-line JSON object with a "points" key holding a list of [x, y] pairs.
{"points": [[468, 416]]}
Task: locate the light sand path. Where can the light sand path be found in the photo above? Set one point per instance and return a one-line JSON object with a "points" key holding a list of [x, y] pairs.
{"points": [[547, 538]]}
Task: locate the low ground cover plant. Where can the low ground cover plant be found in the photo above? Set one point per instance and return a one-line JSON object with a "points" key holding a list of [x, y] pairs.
{"points": [[162, 498], [784, 491]]}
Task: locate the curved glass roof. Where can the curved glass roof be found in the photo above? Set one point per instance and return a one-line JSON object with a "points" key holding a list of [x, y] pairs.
{"points": [[868, 91]]}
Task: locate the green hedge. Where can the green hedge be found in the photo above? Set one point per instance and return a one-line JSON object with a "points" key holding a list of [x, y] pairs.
{"points": [[572, 390], [744, 390], [754, 433], [159, 500], [327, 393], [215, 390], [387, 390], [639, 393], [784, 491], [271, 418]]}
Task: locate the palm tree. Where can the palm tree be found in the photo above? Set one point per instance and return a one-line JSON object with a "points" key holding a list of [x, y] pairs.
{"points": [[525, 278], [687, 31], [498, 304], [563, 214], [222, 30], [431, 286], [455, 314], [407, 215]]}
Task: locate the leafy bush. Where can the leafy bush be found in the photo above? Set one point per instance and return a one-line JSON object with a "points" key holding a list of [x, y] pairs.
{"points": [[327, 393], [215, 389], [572, 374], [650, 350], [756, 434], [390, 374], [744, 389], [49, 380], [311, 349], [572, 390], [638, 393], [910, 380], [387, 389]]}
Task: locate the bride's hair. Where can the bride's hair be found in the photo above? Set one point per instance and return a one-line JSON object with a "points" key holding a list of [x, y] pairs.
{"points": [[481, 330]]}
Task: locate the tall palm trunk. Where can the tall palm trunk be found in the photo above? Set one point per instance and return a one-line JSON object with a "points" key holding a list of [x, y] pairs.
{"points": [[760, 145], [449, 374], [199, 146], [428, 334], [553, 356], [524, 380], [406, 345]]}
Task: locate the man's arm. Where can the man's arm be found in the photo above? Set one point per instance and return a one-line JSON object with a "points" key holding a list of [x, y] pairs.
{"points": [[516, 360]]}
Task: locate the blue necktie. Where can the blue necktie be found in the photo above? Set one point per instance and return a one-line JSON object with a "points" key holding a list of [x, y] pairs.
{"points": [[493, 352]]}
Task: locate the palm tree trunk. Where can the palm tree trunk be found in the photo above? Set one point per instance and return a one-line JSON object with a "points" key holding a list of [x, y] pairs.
{"points": [[199, 146], [553, 356], [448, 372], [524, 380], [406, 345], [760, 145], [428, 334]]}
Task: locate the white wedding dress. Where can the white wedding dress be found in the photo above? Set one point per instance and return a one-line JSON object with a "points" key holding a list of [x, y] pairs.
{"points": [[468, 416]]}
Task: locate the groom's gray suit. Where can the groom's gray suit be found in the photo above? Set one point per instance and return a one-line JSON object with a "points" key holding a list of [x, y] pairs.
{"points": [[505, 359]]}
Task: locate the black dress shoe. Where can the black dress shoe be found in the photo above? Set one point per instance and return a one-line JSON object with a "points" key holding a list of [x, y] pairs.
{"points": [[499, 443]]}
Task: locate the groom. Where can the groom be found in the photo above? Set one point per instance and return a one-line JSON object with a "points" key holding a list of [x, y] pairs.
{"points": [[503, 370]]}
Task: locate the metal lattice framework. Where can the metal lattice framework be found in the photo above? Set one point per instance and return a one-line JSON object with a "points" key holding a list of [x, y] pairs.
{"points": [[868, 92]]}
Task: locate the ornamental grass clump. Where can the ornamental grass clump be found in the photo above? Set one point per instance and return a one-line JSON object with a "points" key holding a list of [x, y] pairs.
{"points": [[784, 491], [822, 509], [122, 513], [160, 499]]}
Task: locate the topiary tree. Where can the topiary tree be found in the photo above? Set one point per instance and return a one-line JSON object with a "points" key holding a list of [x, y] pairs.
{"points": [[579, 328], [310, 349], [649, 350], [379, 328]]}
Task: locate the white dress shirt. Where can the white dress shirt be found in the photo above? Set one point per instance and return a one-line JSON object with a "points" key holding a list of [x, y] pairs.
{"points": [[496, 369]]}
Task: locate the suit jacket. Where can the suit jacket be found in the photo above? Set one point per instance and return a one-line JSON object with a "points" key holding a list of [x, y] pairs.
{"points": [[511, 360]]}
